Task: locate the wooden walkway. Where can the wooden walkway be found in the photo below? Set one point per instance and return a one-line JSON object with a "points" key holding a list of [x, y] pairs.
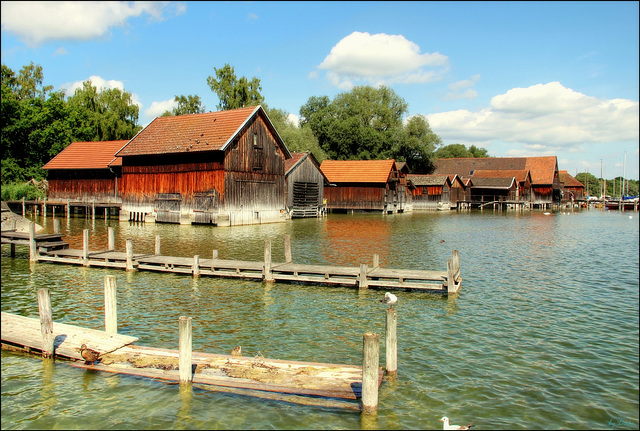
{"points": [[363, 277], [291, 381]]}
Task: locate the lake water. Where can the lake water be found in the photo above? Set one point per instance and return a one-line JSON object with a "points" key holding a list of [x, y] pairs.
{"points": [[544, 333]]}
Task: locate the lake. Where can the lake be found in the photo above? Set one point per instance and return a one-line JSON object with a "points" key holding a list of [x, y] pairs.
{"points": [[544, 333]]}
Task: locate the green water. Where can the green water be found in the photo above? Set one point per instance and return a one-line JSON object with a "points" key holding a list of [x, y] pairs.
{"points": [[544, 333]]}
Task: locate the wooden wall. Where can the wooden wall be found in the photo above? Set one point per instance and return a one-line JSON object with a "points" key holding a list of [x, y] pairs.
{"points": [[356, 197], [97, 185], [305, 172]]}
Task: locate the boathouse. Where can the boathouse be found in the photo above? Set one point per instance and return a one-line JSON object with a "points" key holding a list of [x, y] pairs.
{"points": [[365, 185], [430, 192], [572, 189], [221, 168], [305, 185], [522, 178], [86, 172], [545, 184]]}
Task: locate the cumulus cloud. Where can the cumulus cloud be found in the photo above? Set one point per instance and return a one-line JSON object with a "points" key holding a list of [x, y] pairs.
{"points": [[381, 59], [40, 21], [543, 117], [462, 89], [158, 108]]}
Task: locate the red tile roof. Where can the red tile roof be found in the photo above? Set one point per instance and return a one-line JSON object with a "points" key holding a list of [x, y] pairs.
{"points": [[542, 168], [519, 175], [568, 180], [87, 155], [210, 131], [296, 157], [357, 171]]}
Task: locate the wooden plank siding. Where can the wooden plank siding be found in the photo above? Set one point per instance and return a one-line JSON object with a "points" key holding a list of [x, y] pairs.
{"points": [[356, 197], [85, 186]]}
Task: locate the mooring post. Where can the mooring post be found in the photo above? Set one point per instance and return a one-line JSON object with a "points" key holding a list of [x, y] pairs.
{"points": [[110, 305], [362, 278], [214, 256], [376, 261], [44, 208], [129, 251], [23, 207], [391, 342], [185, 346], [85, 247], [157, 249], [370, 363], [93, 210], [111, 234], [456, 263], [33, 251], [267, 275], [46, 322], [451, 283], [56, 225], [196, 266], [68, 209], [287, 249]]}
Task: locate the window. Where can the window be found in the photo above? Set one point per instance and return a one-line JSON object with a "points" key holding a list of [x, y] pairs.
{"points": [[258, 154]]}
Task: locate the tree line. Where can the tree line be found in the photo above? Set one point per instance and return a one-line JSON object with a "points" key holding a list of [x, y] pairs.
{"points": [[364, 123]]}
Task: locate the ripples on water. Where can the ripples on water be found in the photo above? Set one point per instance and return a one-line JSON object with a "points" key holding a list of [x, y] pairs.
{"points": [[544, 333]]}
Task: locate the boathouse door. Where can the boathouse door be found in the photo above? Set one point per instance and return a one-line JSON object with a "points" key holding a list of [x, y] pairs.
{"points": [[305, 199]]}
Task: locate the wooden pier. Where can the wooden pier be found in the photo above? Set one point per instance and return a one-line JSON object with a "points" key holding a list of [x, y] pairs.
{"points": [[363, 277], [352, 387]]}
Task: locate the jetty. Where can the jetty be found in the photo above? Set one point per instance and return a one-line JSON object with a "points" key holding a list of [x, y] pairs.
{"points": [[352, 387], [54, 250]]}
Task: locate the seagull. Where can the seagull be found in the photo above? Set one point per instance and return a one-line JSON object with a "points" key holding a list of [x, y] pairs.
{"points": [[389, 298], [446, 425]]}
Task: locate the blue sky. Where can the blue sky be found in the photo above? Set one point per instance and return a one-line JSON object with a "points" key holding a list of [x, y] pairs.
{"points": [[517, 78]]}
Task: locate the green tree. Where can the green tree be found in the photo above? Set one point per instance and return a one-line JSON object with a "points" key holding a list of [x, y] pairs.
{"points": [[234, 93], [295, 137], [186, 105], [459, 151], [417, 145]]}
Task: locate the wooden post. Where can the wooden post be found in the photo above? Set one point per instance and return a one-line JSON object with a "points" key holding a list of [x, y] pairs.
{"points": [[214, 257], [44, 208], [267, 274], [85, 247], [456, 263], [23, 207], [362, 278], [391, 342], [376, 261], [196, 266], [185, 347], [370, 363], [287, 249], [110, 305], [157, 249], [93, 210], [112, 239], [56, 225], [33, 251], [46, 322], [451, 283], [68, 209], [129, 251]]}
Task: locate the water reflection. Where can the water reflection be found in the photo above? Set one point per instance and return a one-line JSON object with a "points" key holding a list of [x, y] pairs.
{"points": [[352, 240]]}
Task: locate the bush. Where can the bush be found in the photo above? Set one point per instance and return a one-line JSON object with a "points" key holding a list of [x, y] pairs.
{"points": [[16, 191]]}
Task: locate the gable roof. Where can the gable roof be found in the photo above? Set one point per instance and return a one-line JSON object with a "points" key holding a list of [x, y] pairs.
{"points": [[296, 160], [569, 180], [87, 155], [211, 131], [542, 168], [494, 183], [519, 175], [428, 180], [357, 171]]}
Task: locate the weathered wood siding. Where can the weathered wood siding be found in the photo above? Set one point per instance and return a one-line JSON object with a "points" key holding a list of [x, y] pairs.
{"points": [[305, 172], [356, 197], [84, 185], [254, 171]]}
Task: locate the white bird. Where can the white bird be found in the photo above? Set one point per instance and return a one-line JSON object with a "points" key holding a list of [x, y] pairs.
{"points": [[446, 425], [389, 298]]}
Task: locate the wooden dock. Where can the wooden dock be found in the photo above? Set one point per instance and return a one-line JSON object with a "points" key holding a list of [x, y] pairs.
{"points": [[363, 277]]}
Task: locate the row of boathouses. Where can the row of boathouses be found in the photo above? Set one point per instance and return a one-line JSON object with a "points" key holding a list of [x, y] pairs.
{"points": [[232, 167]]}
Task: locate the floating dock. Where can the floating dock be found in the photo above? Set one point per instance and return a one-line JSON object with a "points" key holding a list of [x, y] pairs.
{"points": [[363, 277]]}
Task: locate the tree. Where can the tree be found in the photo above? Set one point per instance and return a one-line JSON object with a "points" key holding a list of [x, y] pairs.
{"points": [[417, 145], [234, 93], [186, 105], [296, 138], [460, 151]]}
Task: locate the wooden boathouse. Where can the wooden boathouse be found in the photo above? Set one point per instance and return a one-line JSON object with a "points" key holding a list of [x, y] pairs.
{"points": [[366, 185], [305, 185], [221, 168], [435, 192]]}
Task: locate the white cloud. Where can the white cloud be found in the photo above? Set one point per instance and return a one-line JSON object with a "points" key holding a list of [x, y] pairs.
{"points": [[381, 59], [40, 21], [543, 117], [158, 108], [60, 51], [462, 89], [294, 119]]}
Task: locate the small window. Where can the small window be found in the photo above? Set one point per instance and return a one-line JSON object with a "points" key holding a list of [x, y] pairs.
{"points": [[258, 154]]}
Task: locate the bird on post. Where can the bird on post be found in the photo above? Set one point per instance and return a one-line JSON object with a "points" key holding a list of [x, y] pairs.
{"points": [[447, 426], [88, 355], [389, 298]]}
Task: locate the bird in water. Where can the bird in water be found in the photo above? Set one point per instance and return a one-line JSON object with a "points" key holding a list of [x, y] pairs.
{"points": [[447, 426], [389, 298], [88, 355], [236, 351]]}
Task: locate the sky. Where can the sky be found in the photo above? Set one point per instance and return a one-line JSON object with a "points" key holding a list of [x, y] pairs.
{"points": [[517, 78]]}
